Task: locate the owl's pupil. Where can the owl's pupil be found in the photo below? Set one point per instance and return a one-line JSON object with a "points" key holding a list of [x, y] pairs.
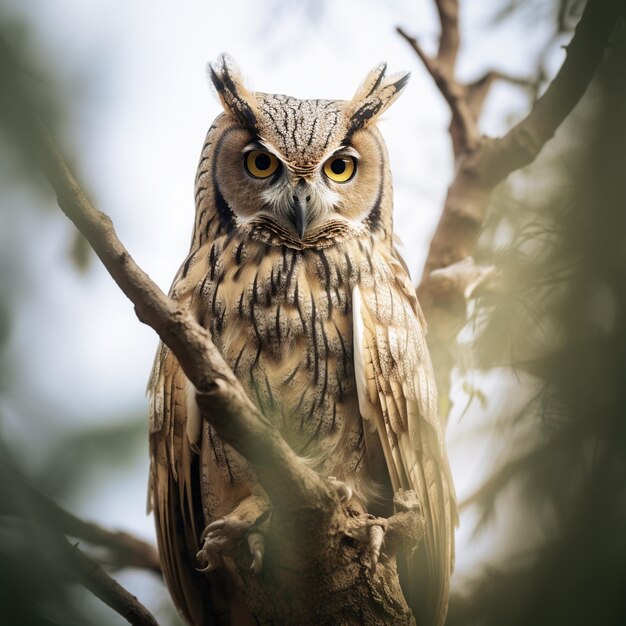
{"points": [[338, 166], [262, 162]]}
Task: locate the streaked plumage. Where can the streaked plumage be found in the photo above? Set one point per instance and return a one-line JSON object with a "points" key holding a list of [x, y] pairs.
{"points": [[298, 280]]}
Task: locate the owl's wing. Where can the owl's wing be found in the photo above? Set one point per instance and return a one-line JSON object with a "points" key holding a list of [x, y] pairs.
{"points": [[397, 393], [174, 490]]}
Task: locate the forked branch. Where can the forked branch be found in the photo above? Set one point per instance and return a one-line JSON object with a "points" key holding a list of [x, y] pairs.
{"points": [[482, 163], [463, 128]]}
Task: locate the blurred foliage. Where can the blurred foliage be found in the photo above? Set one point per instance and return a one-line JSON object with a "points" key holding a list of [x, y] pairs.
{"points": [[19, 57], [33, 569], [37, 576], [100, 448], [567, 12], [558, 234]]}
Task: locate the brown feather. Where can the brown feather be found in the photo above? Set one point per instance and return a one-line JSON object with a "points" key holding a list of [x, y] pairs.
{"points": [[393, 347]]}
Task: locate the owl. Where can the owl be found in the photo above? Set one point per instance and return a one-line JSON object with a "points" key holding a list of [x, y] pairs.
{"points": [[293, 269]]}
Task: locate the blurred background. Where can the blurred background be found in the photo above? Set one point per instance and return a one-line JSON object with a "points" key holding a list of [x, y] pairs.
{"points": [[537, 430]]}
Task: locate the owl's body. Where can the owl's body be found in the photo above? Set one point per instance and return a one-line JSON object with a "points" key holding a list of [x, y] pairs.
{"points": [[292, 268]]}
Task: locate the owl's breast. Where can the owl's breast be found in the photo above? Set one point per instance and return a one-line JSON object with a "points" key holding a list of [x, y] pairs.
{"points": [[282, 319]]}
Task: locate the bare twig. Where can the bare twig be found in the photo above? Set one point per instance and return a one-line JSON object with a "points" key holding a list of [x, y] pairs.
{"points": [[124, 549], [463, 129], [94, 578]]}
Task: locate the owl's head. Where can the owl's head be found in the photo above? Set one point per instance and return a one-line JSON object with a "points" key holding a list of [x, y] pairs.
{"points": [[303, 173]]}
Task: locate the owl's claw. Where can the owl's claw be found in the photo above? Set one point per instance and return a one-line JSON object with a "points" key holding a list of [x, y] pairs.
{"points": [[209, 567], [371, 532], [256, 543], [216, 525], [221, 536], [377, 534], [344, 491]]}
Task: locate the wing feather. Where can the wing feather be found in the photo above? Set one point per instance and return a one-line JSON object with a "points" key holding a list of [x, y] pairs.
{"points": [[397, 392], [174, 489], [174, 484]]}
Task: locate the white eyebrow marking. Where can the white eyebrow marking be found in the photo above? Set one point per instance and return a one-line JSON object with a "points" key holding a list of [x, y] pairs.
{"points": [[347, 150]]}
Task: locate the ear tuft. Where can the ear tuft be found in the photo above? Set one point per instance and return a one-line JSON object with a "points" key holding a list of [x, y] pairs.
{"points": [[371, 83], [234, 96], [375, 95]]}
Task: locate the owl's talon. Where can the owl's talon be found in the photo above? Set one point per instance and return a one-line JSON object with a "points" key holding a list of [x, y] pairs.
{"points": [[344, 491], [221, 537], [370, 531], [376, 536], [209, 567], [256, 543], [216, 525]]}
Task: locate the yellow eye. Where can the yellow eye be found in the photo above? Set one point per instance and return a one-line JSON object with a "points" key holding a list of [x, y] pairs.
{"points": [[340, 168], [260, 164]]}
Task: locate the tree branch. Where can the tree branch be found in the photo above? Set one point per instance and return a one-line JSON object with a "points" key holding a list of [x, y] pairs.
{"points": [[481, 165], [479, 172], [94, 578], [463, 129], [124, 549], [287, 481], [449, 40], [521, 145], [50, 523]]}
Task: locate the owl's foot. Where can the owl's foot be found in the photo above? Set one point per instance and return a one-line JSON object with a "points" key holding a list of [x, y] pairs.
{"points": [[222, 536], [344, 491], [369, 530]]}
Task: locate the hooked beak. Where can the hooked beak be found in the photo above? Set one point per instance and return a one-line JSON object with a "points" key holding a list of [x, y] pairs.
{"points": [[299, 211]]}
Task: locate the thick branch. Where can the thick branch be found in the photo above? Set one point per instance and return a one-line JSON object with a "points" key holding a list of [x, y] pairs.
{"points": [[521, 145], [287, 481]]}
